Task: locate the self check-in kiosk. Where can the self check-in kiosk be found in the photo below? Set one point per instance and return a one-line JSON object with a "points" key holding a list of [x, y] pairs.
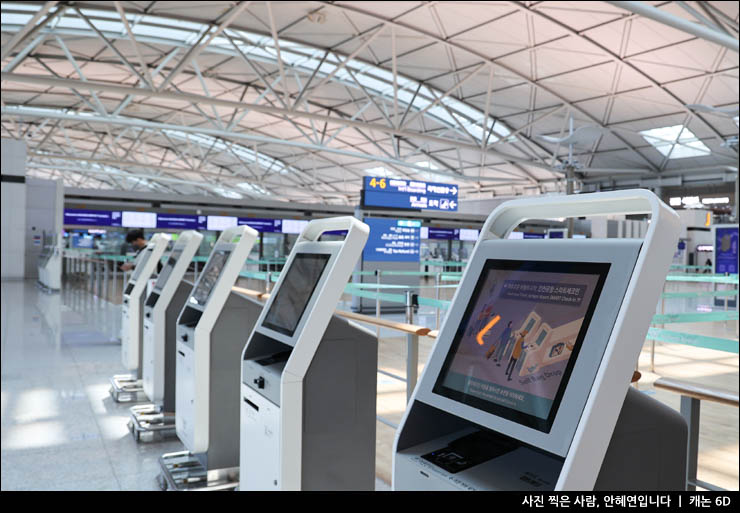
{"points": [[308, 383], [126, 387], [527, 386], [209, 330], [161, 309]]}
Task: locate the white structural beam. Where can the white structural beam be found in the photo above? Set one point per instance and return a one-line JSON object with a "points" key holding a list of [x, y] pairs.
{"points": [[203, 100], [201, 44], [681, 24], [31, 27], [121, 121]]}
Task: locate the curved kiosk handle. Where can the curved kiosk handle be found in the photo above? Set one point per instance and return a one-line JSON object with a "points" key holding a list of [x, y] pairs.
{"points": [[595, 379], [317, 227]]}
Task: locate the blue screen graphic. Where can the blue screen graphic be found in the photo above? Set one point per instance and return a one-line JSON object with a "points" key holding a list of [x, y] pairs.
{"points": [[725, 256], [91, 217], [177, 221], [262, 225]]}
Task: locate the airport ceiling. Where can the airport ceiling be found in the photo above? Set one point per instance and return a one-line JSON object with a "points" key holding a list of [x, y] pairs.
{"points": [[298, 101]]}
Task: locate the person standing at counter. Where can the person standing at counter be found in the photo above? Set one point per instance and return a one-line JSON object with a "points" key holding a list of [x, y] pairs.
{"points": [[136, 239]]}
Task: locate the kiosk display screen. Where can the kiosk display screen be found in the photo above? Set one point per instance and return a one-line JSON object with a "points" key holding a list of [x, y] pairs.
{"points": [[519, 338], [295, 292], [141, 263], [167, 269], [209, 277]]}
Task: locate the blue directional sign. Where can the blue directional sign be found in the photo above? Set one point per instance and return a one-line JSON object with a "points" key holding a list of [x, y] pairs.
{"points": [[409, 194], [444, 233], [262, 225], [177, 221], [392, 240], [90, 217]]}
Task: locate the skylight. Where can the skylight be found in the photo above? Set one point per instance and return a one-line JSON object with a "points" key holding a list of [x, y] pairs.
{"points": [[676, 142], [380, 172]]}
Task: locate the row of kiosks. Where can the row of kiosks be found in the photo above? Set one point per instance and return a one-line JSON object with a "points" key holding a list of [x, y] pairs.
{"points": [[527, 386], [161, 309], [299, 354], [126, 387]]}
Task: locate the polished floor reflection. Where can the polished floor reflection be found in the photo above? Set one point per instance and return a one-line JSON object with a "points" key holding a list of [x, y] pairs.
{"points": [[60, 428]]}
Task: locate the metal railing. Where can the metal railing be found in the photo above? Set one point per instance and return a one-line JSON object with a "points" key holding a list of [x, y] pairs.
{"points": [[691, 396]]}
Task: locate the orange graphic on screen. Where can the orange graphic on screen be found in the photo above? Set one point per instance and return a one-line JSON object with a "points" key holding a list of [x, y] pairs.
{"points": [[491, 324]]}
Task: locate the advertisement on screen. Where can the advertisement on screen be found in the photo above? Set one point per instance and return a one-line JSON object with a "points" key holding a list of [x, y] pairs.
{"points": [[521, 329]]}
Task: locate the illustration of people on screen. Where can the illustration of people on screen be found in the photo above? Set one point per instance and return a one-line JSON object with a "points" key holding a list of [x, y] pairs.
{"points": [[483, 317], [517, 352], [500, 345]]}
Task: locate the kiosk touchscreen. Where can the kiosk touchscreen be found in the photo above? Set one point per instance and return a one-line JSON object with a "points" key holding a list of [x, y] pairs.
{"points": [[133, 301], [308, 383], [207, 353], [161, 310], [526, 381]]}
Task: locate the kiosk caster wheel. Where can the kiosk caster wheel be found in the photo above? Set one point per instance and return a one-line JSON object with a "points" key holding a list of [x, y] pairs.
{"points": [[162, 482]]}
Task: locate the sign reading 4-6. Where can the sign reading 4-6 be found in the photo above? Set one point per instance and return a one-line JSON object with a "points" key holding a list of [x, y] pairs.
{"points": [[380, 183], [409, 194]]}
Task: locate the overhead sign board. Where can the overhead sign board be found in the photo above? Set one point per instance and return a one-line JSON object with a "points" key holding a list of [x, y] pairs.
{"points": [[409, 194]]}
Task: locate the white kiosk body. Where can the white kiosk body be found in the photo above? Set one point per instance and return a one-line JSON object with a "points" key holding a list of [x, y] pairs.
{"points": [[529, 374], [133, 300], [50, 263], [162, 307], [207, 354], [308, 396]]}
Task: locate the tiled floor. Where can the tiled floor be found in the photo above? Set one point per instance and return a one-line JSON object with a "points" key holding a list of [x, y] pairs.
{"points": [[60, 428], [62, 431]]}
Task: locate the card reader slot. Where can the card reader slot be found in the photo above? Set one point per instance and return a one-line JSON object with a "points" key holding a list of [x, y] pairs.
{"points": [[469, 451], [181, 353], [275, 358], [250, 403]]}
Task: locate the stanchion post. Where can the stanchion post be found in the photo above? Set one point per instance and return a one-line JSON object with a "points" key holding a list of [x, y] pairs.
{"points": [[377, 303], [106, 277], [690, 408], [438, 281], [412, 347], [268, 281]]}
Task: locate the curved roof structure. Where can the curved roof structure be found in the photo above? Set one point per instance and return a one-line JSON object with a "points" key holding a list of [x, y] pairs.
{"points": [[298, 101]]}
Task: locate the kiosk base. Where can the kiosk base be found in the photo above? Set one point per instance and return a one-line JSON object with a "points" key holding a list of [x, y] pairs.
{"points": [[46, 288], [127, 388], [150, 423], [647, 452], [183, 471]]}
